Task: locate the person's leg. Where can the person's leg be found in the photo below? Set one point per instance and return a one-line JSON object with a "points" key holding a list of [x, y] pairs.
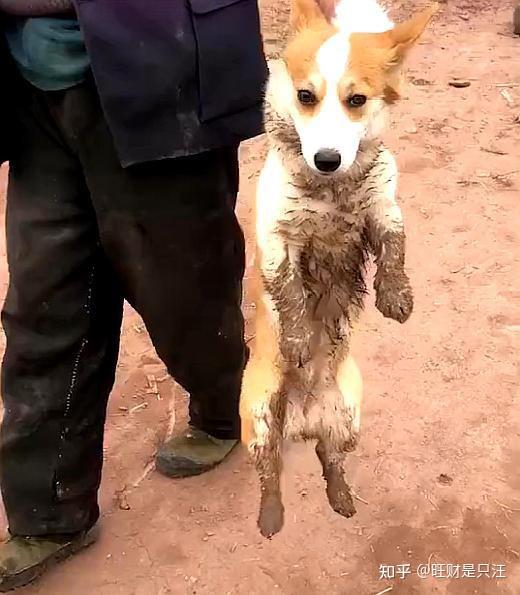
{"points": [[171, 232], [62, 319]]}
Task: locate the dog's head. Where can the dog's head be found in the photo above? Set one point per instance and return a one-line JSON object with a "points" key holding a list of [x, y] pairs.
{"points": [[339, 74]]}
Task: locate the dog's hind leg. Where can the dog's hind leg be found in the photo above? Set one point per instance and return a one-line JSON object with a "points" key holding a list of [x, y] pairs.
{"points": [[262, 414], [338, 492], [350, 384], [268, 459], [263, 417], [332, 448]]}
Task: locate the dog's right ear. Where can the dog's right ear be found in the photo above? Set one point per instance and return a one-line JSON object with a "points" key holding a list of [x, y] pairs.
{"points": [[309, 13], [404, 35]]}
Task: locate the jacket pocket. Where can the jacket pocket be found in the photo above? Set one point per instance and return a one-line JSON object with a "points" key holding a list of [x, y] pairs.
{"points": [[231, 64]]}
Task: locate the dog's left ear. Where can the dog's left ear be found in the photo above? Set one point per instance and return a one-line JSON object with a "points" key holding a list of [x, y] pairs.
{"points": [[328, 8], [307, 13], [404, 35]]}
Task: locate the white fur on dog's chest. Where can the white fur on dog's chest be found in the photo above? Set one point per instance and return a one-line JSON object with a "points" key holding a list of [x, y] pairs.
{"points": [[321, 223], [330, 218]]}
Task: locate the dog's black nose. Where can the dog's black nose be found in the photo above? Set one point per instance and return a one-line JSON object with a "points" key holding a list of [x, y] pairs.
{"points": [[327, 160]]}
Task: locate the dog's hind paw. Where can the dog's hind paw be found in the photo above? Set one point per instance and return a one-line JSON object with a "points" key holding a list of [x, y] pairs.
{"points": [[341, 501], [270, 520], [344, 508]]}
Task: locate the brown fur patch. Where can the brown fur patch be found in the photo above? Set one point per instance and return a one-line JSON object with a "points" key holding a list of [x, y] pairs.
{"points": [[300, 55], [300, 58], [370, 54], [375, 58]]}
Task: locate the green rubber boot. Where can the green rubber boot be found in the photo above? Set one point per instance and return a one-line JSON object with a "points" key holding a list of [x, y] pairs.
{"points": [[24, 559], [192, 453]]}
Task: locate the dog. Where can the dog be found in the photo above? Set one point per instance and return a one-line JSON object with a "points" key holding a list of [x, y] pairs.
{"points": [[326, 202]]}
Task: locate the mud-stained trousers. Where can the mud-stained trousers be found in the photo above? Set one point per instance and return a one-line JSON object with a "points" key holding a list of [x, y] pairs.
{"points": [[83, 234]]}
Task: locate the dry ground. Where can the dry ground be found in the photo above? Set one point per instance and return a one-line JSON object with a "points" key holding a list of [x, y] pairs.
{"points": [[441, 391]]}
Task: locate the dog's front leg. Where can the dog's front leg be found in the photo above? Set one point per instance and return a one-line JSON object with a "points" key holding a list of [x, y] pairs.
{"points": [[394, 297]]}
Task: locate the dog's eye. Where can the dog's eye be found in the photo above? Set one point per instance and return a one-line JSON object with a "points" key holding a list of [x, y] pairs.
{"points": [[306, 97], [357, 100]]}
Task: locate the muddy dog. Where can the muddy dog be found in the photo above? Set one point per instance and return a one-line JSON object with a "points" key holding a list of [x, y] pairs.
{"points": [[325, 203]]}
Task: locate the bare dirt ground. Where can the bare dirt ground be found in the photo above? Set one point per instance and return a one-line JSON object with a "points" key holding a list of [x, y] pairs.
{"points": [[438, 469]]}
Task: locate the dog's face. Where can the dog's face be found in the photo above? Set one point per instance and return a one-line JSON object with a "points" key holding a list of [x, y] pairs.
{"points": [[335, 84]]}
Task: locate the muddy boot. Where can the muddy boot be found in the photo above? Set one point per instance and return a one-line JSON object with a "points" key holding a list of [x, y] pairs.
{"points": [[24, 559], [192, 453]]}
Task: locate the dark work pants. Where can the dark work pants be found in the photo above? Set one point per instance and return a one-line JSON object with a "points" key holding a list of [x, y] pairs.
{"points": [[82, 235]]}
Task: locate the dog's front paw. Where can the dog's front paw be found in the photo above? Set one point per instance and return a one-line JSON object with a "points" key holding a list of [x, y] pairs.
{"points": [[394, 297]]}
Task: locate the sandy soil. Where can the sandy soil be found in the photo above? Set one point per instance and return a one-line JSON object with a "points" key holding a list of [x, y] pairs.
{"points": [[437, 472]]}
